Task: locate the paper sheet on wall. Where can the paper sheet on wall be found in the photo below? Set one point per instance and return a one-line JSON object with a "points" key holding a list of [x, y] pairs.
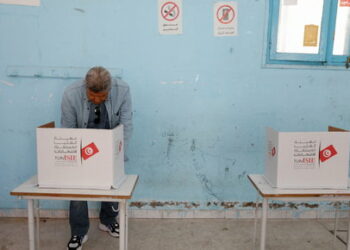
{"points": [[170, 17], [21, 2], [225, 19], [311, 35]]}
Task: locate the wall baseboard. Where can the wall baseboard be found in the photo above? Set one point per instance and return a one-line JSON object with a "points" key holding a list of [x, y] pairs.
{"points": [[194, 214]]}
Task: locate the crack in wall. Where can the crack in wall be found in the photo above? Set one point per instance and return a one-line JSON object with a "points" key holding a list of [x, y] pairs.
{"points": [[207, 185]]}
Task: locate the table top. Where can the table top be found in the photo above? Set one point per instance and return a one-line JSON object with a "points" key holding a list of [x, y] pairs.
{"points": [[266, 190], [30, 189]]}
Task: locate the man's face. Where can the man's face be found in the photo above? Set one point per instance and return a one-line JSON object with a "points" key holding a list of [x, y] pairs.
{"points": [[97, 97]]}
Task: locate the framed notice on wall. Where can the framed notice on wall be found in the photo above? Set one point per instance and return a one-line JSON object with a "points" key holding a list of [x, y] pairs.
{"points": [[21, 2]]}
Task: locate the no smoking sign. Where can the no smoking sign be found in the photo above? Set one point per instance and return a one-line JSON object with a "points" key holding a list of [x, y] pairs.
{"points": [[170, 11], [225, 19], [170, 17]]}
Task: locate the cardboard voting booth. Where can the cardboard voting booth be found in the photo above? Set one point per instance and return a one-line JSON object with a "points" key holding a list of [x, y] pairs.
{"points": [[308, 159], [80, 158]]}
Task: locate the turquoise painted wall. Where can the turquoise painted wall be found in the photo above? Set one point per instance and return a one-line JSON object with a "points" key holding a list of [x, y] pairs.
{"points": [[201, 103]]}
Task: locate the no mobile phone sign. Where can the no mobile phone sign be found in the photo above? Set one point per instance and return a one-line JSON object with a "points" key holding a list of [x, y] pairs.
{"points": [[225, 19], [225, 14]]}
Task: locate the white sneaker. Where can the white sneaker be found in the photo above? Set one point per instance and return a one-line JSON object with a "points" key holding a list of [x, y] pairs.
{"points": [[76, 242], [112, 229]]}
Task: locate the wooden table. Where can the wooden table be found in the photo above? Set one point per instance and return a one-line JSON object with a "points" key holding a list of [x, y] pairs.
{"points": [[267, 192], [29, 190]]}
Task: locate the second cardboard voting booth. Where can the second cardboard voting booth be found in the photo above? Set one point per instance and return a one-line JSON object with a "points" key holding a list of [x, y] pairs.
{"points": [[80, 158], [307, 159]]}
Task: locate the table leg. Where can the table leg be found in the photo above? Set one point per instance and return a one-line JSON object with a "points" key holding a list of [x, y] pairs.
{"points": [[335, 227], [31, 224], [255, 220], [263, 223], [122, 221], [37, 222], [126, 224], [348, 244]]}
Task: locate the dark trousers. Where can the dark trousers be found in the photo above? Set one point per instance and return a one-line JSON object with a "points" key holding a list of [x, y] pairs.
{"points": [[79, 216]]}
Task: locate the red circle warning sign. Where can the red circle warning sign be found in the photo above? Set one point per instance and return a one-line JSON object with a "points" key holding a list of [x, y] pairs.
{"points": [[225, 14], [170, 11]]}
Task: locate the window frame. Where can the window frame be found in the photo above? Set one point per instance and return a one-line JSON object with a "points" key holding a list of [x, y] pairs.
{"points": [[325, 56]]}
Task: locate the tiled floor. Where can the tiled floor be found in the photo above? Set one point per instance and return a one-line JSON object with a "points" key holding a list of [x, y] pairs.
{"points": [[178, 234]]}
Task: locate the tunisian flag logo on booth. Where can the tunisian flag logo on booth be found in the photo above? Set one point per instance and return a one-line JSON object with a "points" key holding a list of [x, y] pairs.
{"points": [[88, 151], [273, 151], [327, 153]]}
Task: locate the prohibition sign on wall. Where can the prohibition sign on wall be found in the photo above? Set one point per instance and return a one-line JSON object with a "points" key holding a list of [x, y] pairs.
{"points": [[170, 11], [225, 14]]}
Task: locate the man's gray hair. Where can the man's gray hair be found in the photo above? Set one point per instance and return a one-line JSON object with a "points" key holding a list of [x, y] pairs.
{"points": [[98, 79]]}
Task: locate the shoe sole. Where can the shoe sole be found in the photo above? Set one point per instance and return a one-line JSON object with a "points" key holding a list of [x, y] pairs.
{"points": [[105, 229], [84, 240]]}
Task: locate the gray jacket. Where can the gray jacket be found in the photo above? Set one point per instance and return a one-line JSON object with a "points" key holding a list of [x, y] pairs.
{"points": [[75, 107]]}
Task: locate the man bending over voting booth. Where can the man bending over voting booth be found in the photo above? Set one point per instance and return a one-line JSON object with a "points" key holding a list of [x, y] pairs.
{"points": [[103, 106]]}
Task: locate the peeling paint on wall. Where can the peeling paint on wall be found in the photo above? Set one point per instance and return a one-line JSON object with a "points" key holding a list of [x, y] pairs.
{"points": [[226, 204], [155, 204]]}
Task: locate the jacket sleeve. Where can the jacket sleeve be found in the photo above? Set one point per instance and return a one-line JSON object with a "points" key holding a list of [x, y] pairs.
{"points": [[68, 113], [126, 117]]}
